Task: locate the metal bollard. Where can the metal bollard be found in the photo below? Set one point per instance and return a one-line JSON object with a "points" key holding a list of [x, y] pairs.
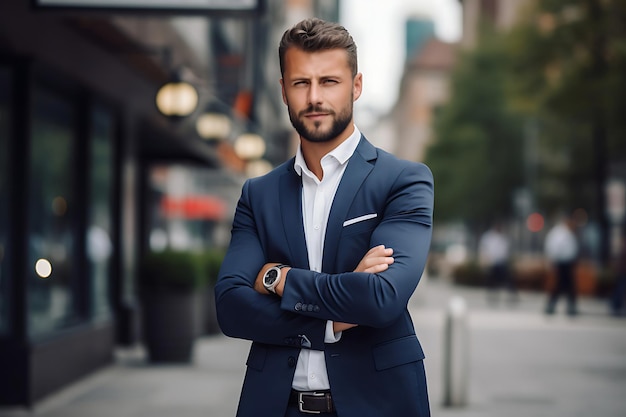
{"points": [[456, 354]]}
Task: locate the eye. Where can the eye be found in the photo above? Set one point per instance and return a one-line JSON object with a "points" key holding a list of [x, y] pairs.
{"points": [[330, 82]]}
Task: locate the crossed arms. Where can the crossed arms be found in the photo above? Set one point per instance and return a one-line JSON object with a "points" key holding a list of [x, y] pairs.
{"points": [[375, 260], [374, 293]]}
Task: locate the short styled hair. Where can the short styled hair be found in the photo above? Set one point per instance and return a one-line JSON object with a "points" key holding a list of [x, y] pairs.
{"points": [[314, 35]]}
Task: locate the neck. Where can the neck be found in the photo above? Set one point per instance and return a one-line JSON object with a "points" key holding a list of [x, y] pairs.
{"points": [[313, 152]]}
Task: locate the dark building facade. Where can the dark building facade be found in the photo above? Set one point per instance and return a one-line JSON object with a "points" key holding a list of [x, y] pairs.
{"points": [[92, 175], [79, 131]]}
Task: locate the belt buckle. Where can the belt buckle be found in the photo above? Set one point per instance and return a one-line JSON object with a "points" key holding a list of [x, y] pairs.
{"points": [[301, 401]]}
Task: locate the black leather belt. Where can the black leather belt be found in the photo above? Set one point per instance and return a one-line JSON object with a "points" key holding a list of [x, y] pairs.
{"points": [[312, 402]]}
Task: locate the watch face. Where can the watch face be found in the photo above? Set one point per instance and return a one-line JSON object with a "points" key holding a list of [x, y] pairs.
{"points": [[270, 276]]}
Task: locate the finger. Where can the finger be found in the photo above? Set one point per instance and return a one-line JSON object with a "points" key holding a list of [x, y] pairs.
{"points": [[380, 250], [370, 262], [374, 250], [377, 268]]}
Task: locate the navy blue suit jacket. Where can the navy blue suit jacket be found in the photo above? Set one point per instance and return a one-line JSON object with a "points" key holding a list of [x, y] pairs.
{"points": [[376, 369]]}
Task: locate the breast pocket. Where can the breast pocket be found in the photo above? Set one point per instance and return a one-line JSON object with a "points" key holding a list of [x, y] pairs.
{"points": [[360, 224]]}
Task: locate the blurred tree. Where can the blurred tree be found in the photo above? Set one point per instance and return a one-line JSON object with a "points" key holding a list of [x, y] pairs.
{"points": [[476, 158], [569, 60]]}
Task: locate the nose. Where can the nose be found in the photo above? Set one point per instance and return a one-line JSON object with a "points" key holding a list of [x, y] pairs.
{"points": [[315, 94]]}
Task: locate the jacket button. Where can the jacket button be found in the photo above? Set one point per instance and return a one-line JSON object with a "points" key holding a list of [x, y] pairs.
{"points": [[298, 306], [309, 307], [291, 361], [316, 309]]}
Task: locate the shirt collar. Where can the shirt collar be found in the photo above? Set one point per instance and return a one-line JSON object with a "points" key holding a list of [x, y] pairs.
{"points": [[341, 153]]}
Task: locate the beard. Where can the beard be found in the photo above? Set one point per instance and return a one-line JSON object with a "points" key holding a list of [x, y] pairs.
{"points": [[340, 121]]}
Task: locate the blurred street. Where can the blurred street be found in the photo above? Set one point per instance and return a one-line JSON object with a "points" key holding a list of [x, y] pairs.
{"points": [[522, 363], [128, 130]]}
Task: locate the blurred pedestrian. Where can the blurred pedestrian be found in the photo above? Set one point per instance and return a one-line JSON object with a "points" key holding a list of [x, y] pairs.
{"points": [[561, 249], [619, 291], [326, 252], [494, 251]]}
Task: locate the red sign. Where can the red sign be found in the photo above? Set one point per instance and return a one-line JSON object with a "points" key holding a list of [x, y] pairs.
{"points": [[194, 207]]}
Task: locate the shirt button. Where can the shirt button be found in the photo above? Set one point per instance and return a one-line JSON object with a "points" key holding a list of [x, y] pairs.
{"points": [[313, 376], [316, 227]]}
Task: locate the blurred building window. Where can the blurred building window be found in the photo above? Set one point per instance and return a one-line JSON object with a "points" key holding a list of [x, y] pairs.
{"points": [[98, 240], [5, 91], [52, 213], [185, 208]]}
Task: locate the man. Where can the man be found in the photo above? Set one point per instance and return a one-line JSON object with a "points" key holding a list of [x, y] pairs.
{"points": [[561, 249], [326, 251], [494, 253]]}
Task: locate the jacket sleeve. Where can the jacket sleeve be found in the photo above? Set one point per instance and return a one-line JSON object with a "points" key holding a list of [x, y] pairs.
{"points": [[375, 300], [243, 312]]}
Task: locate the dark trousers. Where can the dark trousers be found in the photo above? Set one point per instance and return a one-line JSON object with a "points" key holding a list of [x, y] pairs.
{"points": [[498, 277], [565, 285]]}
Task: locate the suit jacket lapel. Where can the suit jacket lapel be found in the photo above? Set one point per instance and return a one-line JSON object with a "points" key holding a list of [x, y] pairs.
{"points": [[290, 194], [357, 170]]}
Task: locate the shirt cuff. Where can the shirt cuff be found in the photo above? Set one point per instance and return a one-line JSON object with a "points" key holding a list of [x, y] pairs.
{"points": [[330, 336]]}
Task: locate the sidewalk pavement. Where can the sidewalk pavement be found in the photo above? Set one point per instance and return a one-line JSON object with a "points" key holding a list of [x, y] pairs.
{"points": [[521, 363]]}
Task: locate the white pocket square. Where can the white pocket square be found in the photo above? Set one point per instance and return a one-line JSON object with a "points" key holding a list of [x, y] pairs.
{"points": [[359, 219]]}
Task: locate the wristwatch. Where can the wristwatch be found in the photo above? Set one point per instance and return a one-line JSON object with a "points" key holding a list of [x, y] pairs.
{"points": [[272, 277]]}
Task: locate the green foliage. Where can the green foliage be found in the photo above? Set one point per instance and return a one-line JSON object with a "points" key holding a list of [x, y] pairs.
{"points": [[212, 260], [562, 71], [477, 155], [569, 62], [173, 270], [570, 56]]}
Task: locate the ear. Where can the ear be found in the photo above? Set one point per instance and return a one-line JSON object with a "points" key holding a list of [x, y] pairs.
{"points": [[282, 90], [357, 86]]}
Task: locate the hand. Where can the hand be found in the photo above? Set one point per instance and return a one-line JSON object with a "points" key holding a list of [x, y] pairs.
{"points": [[376, 260], [340, 327]]}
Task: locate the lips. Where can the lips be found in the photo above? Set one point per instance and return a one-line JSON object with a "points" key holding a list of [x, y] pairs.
{"points": [[316, 115]]}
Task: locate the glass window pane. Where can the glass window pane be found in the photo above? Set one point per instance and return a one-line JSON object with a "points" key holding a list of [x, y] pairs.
{"points": [[99, 246], [186, 206], [52, 303], [5, 92]]}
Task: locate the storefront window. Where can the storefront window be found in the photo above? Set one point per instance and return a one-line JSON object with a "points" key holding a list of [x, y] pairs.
{"points": [[4, 196], [52, 281], [99, 245], [187, 208]]}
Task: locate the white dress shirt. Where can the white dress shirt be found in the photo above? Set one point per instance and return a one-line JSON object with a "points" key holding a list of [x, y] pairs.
{"points": [[561, 244], [317, 199], [493, 248]]}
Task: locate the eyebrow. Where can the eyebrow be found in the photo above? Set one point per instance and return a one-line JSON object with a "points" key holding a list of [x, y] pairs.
{"points": [[306, 78]]}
